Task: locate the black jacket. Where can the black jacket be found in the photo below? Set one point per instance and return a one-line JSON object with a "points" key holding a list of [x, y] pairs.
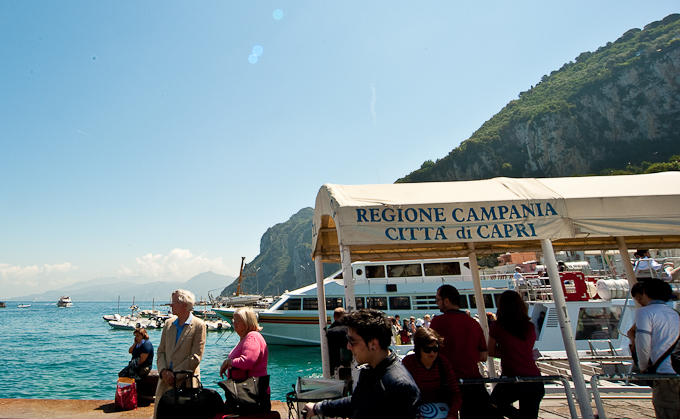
{"points": [[386, 391]]}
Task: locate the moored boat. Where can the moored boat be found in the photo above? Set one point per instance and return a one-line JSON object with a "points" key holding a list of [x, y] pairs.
{"points": [[409, 288]]}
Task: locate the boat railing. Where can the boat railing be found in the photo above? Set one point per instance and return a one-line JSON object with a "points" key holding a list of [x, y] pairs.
{"points": [[595, 381], [539, 379]]}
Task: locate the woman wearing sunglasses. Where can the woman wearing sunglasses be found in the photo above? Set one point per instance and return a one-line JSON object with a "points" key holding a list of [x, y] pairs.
{"points": [[433, 375]]}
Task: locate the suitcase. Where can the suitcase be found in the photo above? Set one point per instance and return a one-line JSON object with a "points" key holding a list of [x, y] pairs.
{"points": [[189, 403]]}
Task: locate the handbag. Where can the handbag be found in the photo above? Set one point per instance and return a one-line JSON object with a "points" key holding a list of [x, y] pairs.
{"points": [[246, 396], [189, 402], [126, 394], [651, 369]]}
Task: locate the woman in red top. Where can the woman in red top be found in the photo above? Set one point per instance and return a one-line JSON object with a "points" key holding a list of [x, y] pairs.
{"points": [[511, 338], [433, 374], [405, 334]]}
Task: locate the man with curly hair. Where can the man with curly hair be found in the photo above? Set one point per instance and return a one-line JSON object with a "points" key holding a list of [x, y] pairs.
{"points": [[385, 388]]}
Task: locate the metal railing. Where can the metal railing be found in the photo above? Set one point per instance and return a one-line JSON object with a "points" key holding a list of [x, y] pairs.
{"points": [[518, 380], [594, 381]]}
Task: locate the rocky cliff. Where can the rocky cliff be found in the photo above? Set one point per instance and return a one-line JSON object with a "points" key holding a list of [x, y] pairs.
{"points": [[613, 108], [284, 262]]}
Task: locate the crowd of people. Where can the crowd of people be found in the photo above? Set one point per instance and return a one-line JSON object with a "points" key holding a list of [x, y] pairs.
{"points": [[447, 347]]}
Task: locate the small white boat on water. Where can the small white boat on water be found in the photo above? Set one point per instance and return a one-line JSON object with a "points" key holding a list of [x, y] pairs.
{"points": [[23, 305], [131, 323], [217, 326], [64, 301]]}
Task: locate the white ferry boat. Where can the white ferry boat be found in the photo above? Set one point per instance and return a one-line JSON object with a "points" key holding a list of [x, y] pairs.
{"points": [[64, 301], [409, 288]]}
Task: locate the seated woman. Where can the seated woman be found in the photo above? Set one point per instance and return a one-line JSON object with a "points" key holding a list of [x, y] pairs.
{"points": [[512, 338], [433, 374], [142, 356], [249, 356]]}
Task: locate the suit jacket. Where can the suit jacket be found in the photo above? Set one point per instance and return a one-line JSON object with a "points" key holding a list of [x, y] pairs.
{"points": [[187, 353]]}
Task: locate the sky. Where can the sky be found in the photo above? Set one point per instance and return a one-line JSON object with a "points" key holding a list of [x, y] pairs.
{"points": [[163, 138]]}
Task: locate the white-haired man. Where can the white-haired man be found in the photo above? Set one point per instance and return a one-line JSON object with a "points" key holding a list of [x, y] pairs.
{"points": [[182, 344]]}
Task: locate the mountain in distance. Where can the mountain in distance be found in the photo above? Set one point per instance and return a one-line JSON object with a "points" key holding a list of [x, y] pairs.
{"points": [[139, 288], [285, 261], [612, 111]]}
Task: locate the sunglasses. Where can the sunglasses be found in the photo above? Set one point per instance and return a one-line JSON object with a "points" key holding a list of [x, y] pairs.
{"points": [[429, 349], [352, 342]]}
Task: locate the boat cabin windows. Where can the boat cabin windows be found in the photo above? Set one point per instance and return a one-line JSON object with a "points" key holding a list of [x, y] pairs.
{"points": [[292, 304], [333, 303], [400, 303], [425, 302], [463, 302], [442, 269], [375, 271], [378, 303], [488, 301], [310, 304], [405, 270], [597, 323]]}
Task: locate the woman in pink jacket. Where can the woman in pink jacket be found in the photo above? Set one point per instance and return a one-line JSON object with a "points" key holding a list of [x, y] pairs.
{"points": [[249, 356]]}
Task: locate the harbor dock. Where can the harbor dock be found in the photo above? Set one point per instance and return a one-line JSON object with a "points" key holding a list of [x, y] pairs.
{"points": [[620, 406]]}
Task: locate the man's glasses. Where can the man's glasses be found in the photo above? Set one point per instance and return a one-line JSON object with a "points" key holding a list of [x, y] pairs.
{"points": [[351, 341], [430, 349]]}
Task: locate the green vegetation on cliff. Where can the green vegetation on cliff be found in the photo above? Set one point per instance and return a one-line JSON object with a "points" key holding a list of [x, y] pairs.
{"points": [[284, 262], [612, 108]]}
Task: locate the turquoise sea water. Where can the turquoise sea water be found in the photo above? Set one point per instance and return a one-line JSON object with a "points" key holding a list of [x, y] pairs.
{"points": [[72, 353]]}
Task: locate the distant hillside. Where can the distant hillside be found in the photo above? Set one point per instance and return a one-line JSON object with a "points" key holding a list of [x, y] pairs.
{"points": [[615, 109], [109, 289], [284, 262]]}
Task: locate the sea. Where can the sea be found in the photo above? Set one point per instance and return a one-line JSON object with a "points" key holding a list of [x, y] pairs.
{"points": [[72, 353]]}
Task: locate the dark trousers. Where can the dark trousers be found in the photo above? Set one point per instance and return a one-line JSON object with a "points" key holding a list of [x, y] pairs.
{"points": [[528, 394], [476, 402]]}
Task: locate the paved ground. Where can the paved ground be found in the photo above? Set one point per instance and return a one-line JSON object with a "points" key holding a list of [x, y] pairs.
{"points": [[551, 408]]}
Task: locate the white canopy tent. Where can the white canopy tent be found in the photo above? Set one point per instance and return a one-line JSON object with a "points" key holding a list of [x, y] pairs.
{"points": [[445, 219]]}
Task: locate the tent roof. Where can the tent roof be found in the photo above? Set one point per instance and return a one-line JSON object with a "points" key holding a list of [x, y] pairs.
{"points": [[439, 219]]}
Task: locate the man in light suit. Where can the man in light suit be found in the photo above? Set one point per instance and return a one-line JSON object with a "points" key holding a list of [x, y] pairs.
{"points": [[182, 344]]}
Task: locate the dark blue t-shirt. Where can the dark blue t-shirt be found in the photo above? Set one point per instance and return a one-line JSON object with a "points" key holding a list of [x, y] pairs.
{"points": [[145, 348]]}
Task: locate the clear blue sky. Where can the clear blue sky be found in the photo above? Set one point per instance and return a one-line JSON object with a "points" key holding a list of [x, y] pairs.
{"points": [[147, 138]]}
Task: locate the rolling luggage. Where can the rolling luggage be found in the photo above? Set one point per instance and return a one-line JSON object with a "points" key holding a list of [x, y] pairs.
{"points": [[189, 403]]}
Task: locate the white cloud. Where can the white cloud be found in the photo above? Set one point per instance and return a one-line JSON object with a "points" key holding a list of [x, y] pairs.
{"points": [[178, 265], [18, 280]]}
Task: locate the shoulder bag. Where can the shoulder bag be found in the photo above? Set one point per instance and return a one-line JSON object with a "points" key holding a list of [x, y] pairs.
{"points": [[247, 396]]}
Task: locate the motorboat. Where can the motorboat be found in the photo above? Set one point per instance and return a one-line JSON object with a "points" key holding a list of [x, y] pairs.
{"points": [[217, 326], [409, 288], [23, 305], [64, 301], [131, 322]]}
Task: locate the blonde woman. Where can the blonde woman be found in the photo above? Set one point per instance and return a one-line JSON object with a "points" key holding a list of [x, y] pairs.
{"points": [[251, 353], [249, 356]]}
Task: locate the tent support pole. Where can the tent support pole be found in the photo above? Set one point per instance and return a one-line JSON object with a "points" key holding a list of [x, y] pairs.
{"points": [[346, 260], [582, 393], [625, 259], [321, 301], [479, 298]]}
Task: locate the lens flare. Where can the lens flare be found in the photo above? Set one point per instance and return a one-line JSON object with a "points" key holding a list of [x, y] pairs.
{"points": [[278, 14], [252, 58], [257, 50]]}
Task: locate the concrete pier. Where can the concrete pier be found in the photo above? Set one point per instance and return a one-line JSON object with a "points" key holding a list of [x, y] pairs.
{"points": [[622, 406]]}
